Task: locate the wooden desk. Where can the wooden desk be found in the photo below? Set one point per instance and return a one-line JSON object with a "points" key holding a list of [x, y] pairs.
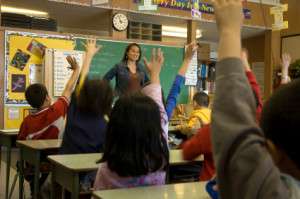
{"points": [[66, 168], [192, 190], [30, 152], [7, 139]]}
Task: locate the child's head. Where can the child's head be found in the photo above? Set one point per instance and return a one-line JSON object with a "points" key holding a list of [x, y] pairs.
{"points": [[95, 97], [280, 122], [134, 143], [37, 96], [200, 99]]}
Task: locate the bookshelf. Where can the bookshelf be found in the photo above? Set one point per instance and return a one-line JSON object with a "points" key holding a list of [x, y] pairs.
{"points": [[206, 76], [206, 70], [144, 31]]}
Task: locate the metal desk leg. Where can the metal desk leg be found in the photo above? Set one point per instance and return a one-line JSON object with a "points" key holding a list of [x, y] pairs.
{"points": [[21, 175], [8, 160], [75, 186], [36, 174]]}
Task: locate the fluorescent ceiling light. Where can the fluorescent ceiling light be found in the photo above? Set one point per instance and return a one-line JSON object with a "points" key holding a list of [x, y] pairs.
{"points": [[8, 9], [175, 31]]}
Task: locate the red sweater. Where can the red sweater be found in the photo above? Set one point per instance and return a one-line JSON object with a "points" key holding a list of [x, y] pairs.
{"points": [[45, 124], [201, 142], [255, 87]]}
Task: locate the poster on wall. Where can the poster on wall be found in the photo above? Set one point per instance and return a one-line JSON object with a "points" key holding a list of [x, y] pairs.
{"points": [[61, 73], [191, 74], [36, 73], [36, 48], [18, 83], [20, 59]]}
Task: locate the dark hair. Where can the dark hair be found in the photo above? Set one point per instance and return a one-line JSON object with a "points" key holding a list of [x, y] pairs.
{"points": [[95, 97], [201, 98], [134, 143], [280, 119], [35, 95], [125, 57]]}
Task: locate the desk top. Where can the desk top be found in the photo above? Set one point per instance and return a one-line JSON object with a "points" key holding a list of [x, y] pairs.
{"points": [[40, 144], [87, 162], [77, 162], [177, 159], [9, 132], [193, 190]]}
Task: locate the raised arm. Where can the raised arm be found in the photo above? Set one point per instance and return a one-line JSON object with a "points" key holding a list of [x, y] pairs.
{"points": [[285, 63], [73, 79], [91, 49], [179, 79], [244, 165], [253, 83], [153, 90]]}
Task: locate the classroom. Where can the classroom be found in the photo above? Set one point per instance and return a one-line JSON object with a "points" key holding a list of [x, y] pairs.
{"points": [[155, 99]]}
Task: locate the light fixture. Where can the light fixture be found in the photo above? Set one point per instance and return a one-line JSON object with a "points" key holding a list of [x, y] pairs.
{"points": [[7, 9], [175, 31]]}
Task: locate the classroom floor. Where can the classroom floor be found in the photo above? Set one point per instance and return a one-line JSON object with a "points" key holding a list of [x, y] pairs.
{"points": [[12, 175]]}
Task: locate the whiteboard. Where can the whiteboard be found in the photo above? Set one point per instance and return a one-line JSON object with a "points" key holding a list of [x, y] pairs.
{"points": [[61, 72], [291, 45]]}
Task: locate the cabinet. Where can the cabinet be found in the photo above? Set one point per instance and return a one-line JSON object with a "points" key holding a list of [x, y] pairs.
{"points": [[144, 31]]}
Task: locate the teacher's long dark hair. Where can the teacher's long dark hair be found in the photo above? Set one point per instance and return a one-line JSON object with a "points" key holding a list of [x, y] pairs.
{"points": [[134, 143]]}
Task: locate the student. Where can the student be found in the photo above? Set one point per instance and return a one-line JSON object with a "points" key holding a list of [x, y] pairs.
{"points": [[136, 151], [200, 115], [86, 123], [129, 73], [48, 120], [179, 79], [245, 167], [200, 143]]}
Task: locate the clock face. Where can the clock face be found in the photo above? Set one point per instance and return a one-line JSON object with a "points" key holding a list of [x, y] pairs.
{"points": [[120, 22]]}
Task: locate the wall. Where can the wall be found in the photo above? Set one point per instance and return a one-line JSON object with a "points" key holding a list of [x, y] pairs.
{"points": [[255, 46], [293, 16]]}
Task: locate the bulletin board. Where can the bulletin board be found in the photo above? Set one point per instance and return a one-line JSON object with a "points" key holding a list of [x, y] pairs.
{"points": [[24, 55], [24, 61]]}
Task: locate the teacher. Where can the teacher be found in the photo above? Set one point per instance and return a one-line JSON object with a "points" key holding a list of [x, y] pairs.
{"points": [[129, 73]]}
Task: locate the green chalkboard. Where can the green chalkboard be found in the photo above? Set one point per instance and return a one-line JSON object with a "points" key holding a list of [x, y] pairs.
{"points": [[112, 52]]}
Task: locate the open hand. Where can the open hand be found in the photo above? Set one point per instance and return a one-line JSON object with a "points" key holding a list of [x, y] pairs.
{"points": [[190, 50], [286, 60], [73, 63], [229, 15], [91, 47], [157, 59]]}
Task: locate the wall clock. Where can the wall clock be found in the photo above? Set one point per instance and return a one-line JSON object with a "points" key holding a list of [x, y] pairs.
{"points": [[120, 21]]}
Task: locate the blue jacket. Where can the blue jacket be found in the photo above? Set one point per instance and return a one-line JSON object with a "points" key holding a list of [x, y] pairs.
{"points": [[121, 72], [173, 94], [84, 133]]}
